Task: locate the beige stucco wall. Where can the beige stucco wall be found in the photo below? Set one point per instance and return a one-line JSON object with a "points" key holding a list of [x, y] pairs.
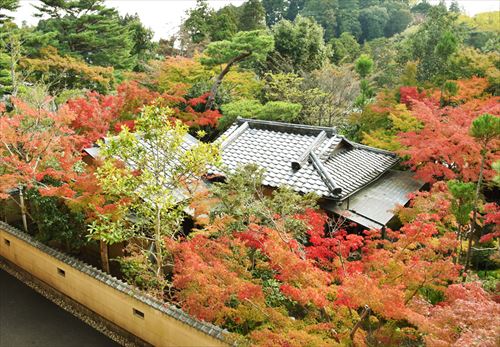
{"points": [[156, 327]]}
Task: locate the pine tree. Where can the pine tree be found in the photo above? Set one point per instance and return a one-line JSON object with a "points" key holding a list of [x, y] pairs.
{"points": [[90, 30]]}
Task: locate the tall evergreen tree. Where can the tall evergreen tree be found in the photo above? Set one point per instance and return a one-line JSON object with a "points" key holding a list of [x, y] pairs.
{"points": [[294, 8], [197, 24], [90, 30], [224, 23], [325, 12], [252, 16], [143, 46], [9, 5], [434, 43], [455, 7], [373, 22], [399, 18], [275, 10], [348, 18], [300, 44]]}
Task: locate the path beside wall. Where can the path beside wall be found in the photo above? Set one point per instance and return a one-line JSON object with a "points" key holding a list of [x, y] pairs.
{"points": [[155, 322]]}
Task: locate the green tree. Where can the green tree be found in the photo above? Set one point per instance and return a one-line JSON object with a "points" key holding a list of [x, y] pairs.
{"points": [[143, 47], [422, 7], [455, 7], [244, 46], [399, 18], [433, 45], [9, 5], [462, 205], [364, 66], [300, 43], [223, 24], [10, 54], [90, 30], [252, 16], [484, 129], [373, 22], [325, 12], [275, 10], [16, 45], [197, 23], [347, 20], [294, 8], [291, 88], [345, 49], [272, 110], [161, 178]]}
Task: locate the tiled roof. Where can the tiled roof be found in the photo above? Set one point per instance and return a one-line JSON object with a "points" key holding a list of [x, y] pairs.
{"points": [[323, 161], [151, 152], [374, 205]]}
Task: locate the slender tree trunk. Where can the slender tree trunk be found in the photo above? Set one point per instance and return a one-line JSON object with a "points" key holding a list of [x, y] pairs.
{"points": [[365, 313], [474, 213], [159, 255], [22, 203], [103, 249], [220, 77], [459, 237]]}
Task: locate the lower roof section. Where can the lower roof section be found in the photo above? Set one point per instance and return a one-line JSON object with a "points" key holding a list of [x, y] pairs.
{"points": [[374, 205]]}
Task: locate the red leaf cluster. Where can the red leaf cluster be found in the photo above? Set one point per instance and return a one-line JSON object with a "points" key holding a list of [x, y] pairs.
{"points": [[443, 148]]}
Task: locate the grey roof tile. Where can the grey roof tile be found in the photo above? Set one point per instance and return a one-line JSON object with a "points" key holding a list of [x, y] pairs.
{"points": [[274, 145]]}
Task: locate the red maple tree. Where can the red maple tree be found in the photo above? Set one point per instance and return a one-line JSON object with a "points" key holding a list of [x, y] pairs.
{"points": [[39, 150], [443, 148]]}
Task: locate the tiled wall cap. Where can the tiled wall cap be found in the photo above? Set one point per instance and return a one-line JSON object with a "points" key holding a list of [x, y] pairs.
{"points": [[168, 309]]}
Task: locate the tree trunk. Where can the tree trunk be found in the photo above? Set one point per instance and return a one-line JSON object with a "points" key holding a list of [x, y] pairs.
{"points": [[474, 213], [159, 255], [220, 77], [365, 313], [103, 249], [22, 203]]}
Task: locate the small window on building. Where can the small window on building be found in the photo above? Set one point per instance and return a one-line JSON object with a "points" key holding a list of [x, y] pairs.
{"points": [[7, 242], [138, 313], [61, 272]]}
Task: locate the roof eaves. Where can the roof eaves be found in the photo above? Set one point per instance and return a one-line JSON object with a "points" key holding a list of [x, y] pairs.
{"points": [[371, 181]]}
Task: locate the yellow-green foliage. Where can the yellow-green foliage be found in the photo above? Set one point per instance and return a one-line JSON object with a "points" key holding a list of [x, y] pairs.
{"points": [[176, 75], [487, 21], [62, 71], [386, 138], [471, 62], [242, 84]]}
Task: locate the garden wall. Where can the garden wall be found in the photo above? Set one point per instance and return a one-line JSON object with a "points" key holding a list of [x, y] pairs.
{"points": [[153, 321]]}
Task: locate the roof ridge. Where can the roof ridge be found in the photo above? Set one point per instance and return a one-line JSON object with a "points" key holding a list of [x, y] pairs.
{"points": [[233, 135], [325, 175], [283, 126], [302, 159]]}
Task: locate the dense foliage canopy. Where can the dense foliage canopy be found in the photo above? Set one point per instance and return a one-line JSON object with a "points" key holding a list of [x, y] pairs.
{"points": [[270, 267]]}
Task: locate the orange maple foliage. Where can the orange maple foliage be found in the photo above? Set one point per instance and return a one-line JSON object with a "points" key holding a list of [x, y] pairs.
{"points": [[38, 148], [468, 89], [443, 147]]}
